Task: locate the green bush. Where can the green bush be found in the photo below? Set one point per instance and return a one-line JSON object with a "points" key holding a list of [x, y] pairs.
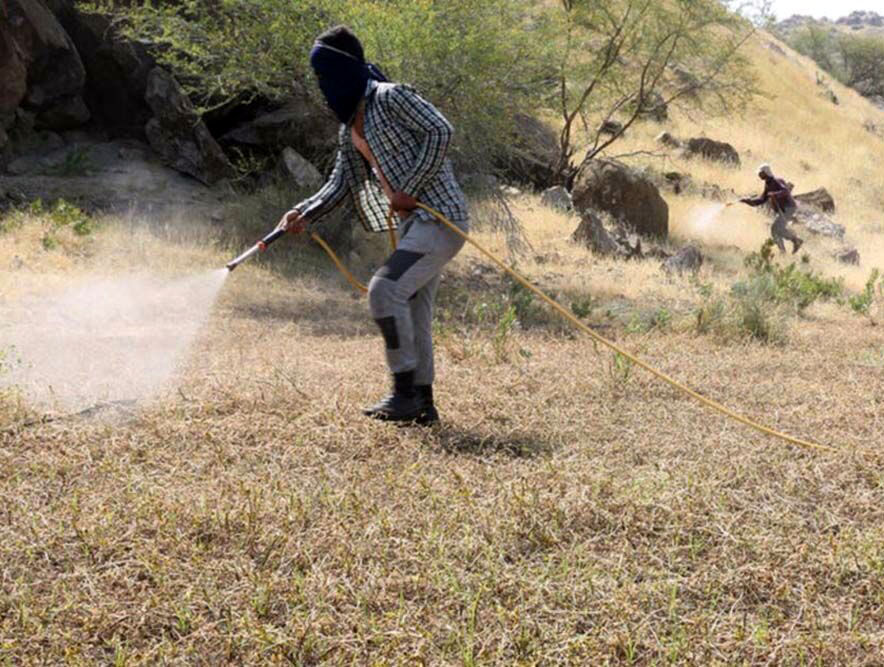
{"points": [[862, 303], [786, 285]]}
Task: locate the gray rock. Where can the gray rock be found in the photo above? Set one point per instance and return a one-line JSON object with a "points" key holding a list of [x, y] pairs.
{"points": [[178, 135], [611, 127], [66, 114], [627, 196], [304, 174], [688, 258], [533, 153], [557, 197], [54, 67], [819, 223], [592, 234], [819, 198], [300, 124], [117, 69], [667, 139], [710, 149], [13, 71], [654, 107], [847, 256]]}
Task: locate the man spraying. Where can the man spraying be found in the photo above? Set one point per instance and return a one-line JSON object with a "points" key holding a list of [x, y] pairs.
{"points": [[777, 193], [392, 147]]}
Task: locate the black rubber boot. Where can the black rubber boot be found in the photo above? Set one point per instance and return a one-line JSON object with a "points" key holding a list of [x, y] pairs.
{"points": [[403, 405], [429, 415]]}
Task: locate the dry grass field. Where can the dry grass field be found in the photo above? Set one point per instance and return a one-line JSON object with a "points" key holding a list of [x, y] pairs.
{"points": [[568, 510]]}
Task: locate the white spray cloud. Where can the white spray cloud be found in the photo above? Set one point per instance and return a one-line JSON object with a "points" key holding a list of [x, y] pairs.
{"points": [[103, 339]]}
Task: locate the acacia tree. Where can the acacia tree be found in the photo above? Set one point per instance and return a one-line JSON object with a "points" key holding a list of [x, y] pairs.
{"points": [[631, 58]]}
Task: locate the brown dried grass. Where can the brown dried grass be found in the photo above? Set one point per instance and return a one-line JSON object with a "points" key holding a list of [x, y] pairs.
{"points": [[566, 512]]}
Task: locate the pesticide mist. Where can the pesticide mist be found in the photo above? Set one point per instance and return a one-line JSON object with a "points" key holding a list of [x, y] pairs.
{"points": [[103, 340], [702, 218]]}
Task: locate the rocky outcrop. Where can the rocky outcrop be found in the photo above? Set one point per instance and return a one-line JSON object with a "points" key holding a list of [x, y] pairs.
{"points": [[624, 194], [533, 154], [54, 67], [117, 69], [819, 198], [302, 124], [178, 135], [710, 149]]}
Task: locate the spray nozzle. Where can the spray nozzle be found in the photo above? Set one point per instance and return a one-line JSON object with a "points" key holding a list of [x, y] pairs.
{"points": [[260, 246]]}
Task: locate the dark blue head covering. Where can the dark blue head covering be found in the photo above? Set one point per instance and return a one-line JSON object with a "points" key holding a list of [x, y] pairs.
{"points": [[342, 78]]}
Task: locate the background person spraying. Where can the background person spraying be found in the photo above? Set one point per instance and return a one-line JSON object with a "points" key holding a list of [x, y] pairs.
{"points": [[777, 193], [392, 148]]}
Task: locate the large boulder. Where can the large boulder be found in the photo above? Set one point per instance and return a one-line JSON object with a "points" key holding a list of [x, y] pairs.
{"points": [[533, 154], [710, 149], [178, 135], [13, 70], [66, 114], [819, 198], [628, 197], [117, 70], [301, 124], [53, 64]]}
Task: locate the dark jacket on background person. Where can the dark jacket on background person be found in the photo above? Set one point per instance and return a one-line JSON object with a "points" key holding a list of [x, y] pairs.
{"points": [[776, 191]]}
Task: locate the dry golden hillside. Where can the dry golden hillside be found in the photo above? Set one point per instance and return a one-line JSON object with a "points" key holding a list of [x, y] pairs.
{"points": [[570, 509]]}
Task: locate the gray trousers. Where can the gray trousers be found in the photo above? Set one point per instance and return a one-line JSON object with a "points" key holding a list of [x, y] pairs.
{"points": [[780, 228], [401, 295]]}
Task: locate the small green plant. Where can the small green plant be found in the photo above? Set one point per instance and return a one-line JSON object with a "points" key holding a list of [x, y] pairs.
{"points": [[582, 308], [620, 369], [862, 303], [505, 326], [76, 162], [65, 214]]}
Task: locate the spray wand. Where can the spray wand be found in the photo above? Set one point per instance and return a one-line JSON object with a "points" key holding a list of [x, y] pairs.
{"points": [[260, 246]]}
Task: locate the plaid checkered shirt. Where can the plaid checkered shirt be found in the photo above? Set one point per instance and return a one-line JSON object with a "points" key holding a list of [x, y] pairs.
{"points": [[409, 139]]}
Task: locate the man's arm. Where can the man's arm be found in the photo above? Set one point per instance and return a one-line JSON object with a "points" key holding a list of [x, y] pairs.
{"points": [[328, 198], [757, 201], [415, 113]]}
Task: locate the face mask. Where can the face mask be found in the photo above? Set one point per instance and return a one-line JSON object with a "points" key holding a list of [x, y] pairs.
{"points": [[342, 78]]}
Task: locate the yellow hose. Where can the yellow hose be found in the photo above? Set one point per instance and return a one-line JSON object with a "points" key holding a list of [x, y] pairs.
{"points": [[708, 402], [343, 269]]}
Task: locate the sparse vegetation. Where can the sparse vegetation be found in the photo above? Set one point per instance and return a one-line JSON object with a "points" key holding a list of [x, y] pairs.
{"points": [[873, 292]]}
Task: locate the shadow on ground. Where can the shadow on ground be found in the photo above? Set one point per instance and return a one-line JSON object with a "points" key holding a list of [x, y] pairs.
{"points": [[474, 442]]}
